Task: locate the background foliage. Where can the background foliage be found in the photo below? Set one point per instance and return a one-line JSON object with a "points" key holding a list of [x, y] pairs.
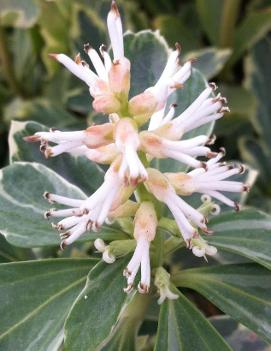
{"points": [[231, 40]]}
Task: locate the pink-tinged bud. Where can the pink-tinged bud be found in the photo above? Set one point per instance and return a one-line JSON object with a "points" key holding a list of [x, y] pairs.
{"points": [[151, 143], [119, 77], [142, 106], [103, 154], [126, 130], [145, 222], [182, 183], [123, 195], [99, 135], [106, 103], [169, 131], [99, 88], [157, 184], [128, 209]]}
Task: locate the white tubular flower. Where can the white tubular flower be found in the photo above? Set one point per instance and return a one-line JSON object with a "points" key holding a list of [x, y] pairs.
{"points": [[159, 118], [203, 110], [115, 31], [127, 142], [201, 248], [162, 282], [79, 68], [144, 232], [210, 181], [103, 154], [187, 218], [92, 137], [86, 214], [184, 151], [145, 105]]}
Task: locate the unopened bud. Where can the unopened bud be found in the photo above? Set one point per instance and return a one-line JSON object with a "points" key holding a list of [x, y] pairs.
{"points": [[119, 77], [142, 106], [145, 221], [106, 103]]}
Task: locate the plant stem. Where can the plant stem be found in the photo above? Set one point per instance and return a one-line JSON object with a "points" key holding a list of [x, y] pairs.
{"points": [[230, 14], [6, 62]]}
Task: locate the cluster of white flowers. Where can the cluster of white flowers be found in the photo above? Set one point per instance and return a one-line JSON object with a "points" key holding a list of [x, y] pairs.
{"points": [[122, 144]]}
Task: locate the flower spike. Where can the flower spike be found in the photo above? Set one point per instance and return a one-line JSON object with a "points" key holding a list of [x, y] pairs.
{"points": [[139, 130]]}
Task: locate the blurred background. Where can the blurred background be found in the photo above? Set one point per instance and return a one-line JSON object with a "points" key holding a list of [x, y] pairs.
{"points": [[231, 40]]}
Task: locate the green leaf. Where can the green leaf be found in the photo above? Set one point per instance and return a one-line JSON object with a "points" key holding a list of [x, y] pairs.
{"points": [[35, 299], [247, 233], [210, 61], [77, 170], [100, 304], [257, 69], [9, 253], [241, 291], [183, 327], [175, 29], [56, 37], [148, 54], [39, 110], [255, 153], [218, 18], [22, 205], [123, 336], [253, 28], [22, 14]]}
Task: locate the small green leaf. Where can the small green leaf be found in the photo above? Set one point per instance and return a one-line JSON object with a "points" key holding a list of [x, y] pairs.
{"points": [[35, 299], [78, 170], [22, 205], [148, 54], [183, 327], [240, 290], [210, 61], [247, 233], [100, 304], [22, 14]]}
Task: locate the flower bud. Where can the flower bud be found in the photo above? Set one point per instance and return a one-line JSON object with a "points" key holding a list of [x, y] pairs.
{"points": [[181, 182], [99, 245], [106, 103], [162, 282], [142, 106], [145, 221], [128, 209], [119, 77], [99, 135]]}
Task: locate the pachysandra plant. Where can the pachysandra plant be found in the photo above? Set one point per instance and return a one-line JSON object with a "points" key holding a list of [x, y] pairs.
{"points": [[139, 130]]}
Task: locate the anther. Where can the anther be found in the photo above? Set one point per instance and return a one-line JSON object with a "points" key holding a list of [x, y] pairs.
{"points": [[213, 86], [87, 47]]}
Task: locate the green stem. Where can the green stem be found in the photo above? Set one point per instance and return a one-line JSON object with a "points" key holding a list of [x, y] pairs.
{"points": [[230, 14], [158, 257], [137, 308], [6, 62]]}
